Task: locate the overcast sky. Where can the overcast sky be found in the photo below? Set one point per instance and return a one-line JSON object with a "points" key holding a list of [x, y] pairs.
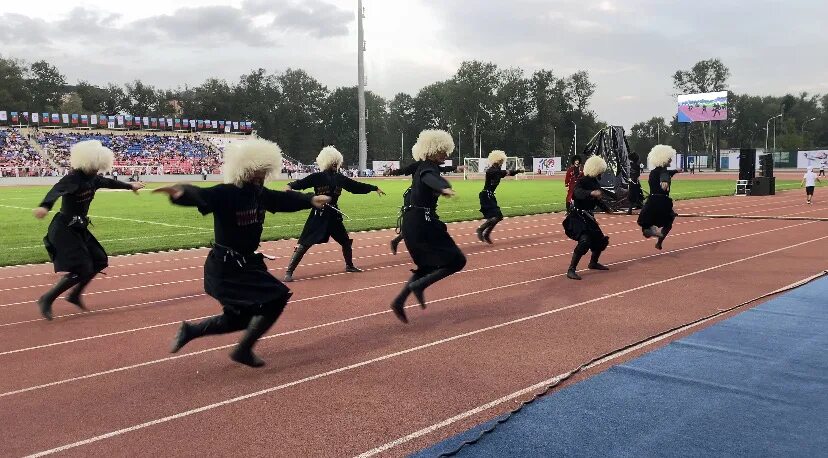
{"points": [[630, 47]]}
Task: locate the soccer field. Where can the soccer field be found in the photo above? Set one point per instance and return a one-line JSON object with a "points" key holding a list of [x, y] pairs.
{"points": [[128, 223]]}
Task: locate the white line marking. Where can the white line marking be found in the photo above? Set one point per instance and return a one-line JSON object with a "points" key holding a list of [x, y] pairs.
{"points": [[322, 325], [396, 354]]}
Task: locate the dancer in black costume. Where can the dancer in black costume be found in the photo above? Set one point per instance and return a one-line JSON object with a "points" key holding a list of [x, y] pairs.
{"points": [[657, 216], [635, 195], [325, 223], [488, 200], [71, 247], [431, 247], [580, 223], [409, 170], [234, 273]]}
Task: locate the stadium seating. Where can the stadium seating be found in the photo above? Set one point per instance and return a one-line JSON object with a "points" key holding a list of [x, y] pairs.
{"points": [[17, 156], [147, 154]]}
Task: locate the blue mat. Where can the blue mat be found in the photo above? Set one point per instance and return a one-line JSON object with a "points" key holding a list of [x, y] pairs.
{"points": [[753, 385]]}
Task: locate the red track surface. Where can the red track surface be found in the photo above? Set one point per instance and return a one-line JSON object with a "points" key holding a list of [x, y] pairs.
{"points": [[344, 377]]}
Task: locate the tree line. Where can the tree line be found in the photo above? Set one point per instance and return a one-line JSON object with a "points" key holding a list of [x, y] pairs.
{"points": [[482, 105]]}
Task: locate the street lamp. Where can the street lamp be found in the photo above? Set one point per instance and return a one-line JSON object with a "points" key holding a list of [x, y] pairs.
{"points": [[802, 131], [767, 131], [402, 146]]}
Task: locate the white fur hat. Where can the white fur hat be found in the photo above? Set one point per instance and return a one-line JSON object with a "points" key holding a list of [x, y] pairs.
{"points": [[660, 156], [430, 143], [595, 166], [329, 158], [90, 156], [497, 156], [244, 158]]}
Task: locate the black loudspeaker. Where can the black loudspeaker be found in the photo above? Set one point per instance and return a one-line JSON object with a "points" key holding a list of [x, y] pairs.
{"points": [[763, 186], [766, 165], [747, 164]]}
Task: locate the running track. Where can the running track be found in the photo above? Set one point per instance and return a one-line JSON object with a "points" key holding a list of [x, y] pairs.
{"points": [[344, 377]]}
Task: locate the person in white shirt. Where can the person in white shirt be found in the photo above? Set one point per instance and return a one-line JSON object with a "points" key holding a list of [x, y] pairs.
{"points": [[809, 181]]}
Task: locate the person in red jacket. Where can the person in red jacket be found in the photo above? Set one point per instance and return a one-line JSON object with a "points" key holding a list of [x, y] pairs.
{"points": [[572, 174]]}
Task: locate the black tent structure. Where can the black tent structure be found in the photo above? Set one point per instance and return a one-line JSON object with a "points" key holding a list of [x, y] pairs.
{"points": [[610, 143]]}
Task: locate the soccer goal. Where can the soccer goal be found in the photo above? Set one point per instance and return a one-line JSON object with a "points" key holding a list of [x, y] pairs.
{"points": [[475, 167]]}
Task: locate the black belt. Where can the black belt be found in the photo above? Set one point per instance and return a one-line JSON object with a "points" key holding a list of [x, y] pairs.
{"points": [[428, 211], [232, 254], [76, 220]]}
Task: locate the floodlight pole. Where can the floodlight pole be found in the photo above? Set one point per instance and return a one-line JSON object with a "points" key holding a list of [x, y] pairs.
{"points": [[767, 131], [363, 143], [575, 138], [802, 131]]}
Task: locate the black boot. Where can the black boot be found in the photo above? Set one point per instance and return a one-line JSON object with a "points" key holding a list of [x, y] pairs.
{"points": [[660, 241], [298, 254], [75, 295], [259, 325], [418, 286], [46, 300], [398, 304], [481, 229], [348, 254], [488, 232], [594, 264], [573, 266], [395, 242], [219, 324]]}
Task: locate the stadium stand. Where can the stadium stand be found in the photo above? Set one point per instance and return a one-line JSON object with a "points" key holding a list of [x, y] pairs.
{"points": [[18, 157]]}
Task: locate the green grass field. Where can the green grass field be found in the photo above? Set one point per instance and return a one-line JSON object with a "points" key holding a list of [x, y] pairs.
{"points": [[126, 223]]}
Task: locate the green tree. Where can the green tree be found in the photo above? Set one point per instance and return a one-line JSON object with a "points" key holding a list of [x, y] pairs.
{"points": [[141, 99], [257, 98], [644, 135], [46, 86], [72, 104], [709, 75], [402, 121], [517, 108], [114, 100], [299, 116], [14, 91], [473, 98]]}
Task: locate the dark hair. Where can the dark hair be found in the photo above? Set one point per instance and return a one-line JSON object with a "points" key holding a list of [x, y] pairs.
{"points": [[633, 157], [576, 158]]}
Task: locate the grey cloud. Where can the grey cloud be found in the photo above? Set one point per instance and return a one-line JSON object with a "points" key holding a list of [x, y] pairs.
{"points": [[314, 17], [82, 22], [208, 26], [19, 29]]}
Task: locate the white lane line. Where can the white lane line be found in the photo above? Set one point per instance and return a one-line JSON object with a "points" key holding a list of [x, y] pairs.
{"points": [[529, 390], [399, 353], [127, 219], [342, 273], [2, 268], [493, 250], [323, 325]]}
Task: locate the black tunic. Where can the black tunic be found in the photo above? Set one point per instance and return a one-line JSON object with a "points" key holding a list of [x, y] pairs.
{"points": [[635, 197], [426, 237], [325, 222], [580, 220], [233, 273], [658, 210], [410, 169], [72, 248], [488, 200]]}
